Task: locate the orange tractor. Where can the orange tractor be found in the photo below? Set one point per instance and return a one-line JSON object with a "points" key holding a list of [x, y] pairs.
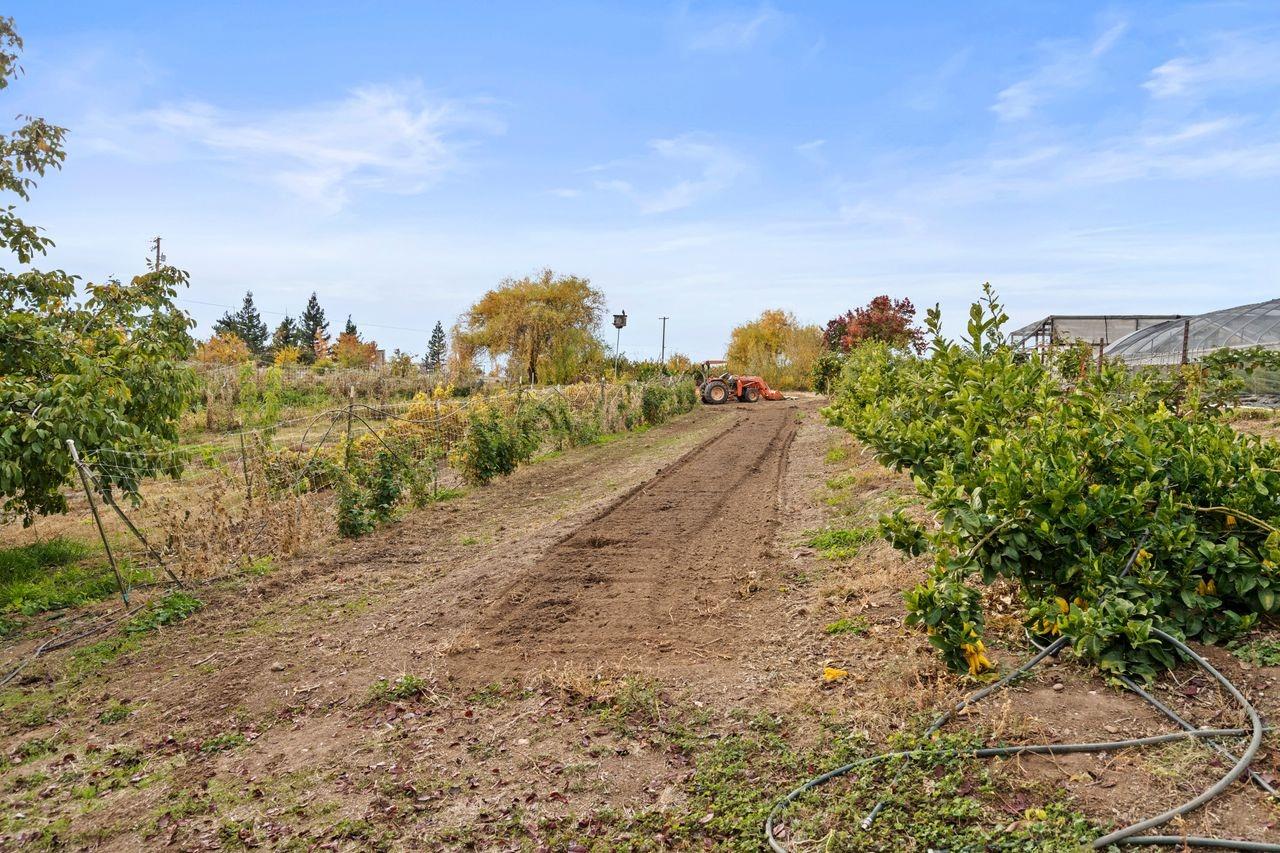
{"points": [[727, 387]]}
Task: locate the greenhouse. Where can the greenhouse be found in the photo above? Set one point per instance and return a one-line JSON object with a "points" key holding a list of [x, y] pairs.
{"points": [[1091, 328], [1177, 341]]}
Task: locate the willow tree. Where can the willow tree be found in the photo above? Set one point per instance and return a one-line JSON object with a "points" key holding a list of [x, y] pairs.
{"points": [[777, 347], [100, 364], [528, 320]]}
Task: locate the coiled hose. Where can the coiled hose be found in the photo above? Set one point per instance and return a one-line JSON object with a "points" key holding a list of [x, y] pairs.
{"points": [[1126, 835]]}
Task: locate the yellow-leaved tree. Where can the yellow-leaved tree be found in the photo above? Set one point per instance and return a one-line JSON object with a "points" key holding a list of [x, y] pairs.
{"points": [[350, 351], [224, 348], [543, 326], [777, 347]]}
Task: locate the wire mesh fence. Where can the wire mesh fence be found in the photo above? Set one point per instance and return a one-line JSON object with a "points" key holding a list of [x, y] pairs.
{"points": [[249, 494]]}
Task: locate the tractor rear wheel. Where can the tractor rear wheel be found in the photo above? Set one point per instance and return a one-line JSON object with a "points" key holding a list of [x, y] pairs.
{"points": [[715, 392], [751, 394]]}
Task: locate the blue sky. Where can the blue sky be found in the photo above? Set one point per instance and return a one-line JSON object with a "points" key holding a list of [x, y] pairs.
{"points": [[699, 160]]}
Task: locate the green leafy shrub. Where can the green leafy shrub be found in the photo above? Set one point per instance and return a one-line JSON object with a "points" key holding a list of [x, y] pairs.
{"points": [[567, 429], [825, 371], [1118, 500], [495, 444], [354, 518], [385, 485], [655, 401]]}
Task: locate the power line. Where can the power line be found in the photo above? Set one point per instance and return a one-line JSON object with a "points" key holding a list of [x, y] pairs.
{"points": [[286, 314]]}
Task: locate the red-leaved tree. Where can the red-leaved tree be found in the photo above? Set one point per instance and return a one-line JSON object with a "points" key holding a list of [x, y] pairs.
{"points": [[890, 321]]}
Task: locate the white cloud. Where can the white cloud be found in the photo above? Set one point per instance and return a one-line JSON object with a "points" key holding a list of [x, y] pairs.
{"points": [[1232, 62], [714, 167], [728, 32], [385, 138], [867, 214], [812, 151], [565, 192], [1070, 65], [1192, 132]]}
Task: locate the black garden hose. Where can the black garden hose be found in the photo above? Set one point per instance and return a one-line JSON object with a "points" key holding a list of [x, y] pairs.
{"points": [[1126, 835]]}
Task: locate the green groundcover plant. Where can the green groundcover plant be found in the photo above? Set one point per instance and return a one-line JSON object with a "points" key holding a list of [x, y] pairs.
{"points": [[1117, 500]]}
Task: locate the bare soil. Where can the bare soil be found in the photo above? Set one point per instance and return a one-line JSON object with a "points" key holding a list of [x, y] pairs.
{"points": [[568, 627], [651, 583]]}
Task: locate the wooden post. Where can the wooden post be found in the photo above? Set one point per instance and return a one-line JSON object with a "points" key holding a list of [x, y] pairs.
{"points": [[106, 495], [351, 402], [244, 466], [1101, 346], [1186, 338], [93, 507]]}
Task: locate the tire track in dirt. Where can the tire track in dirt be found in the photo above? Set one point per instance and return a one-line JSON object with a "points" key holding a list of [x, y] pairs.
{"points": [[656, 579]]}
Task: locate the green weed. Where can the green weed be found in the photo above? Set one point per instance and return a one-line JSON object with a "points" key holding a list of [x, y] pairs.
{"points": [[173, 608], [854, 625], [1264, 651], [837, 454], [489, 696], [841, 544], [114, 713], [399, 689], [260, 567], [223, 742]]}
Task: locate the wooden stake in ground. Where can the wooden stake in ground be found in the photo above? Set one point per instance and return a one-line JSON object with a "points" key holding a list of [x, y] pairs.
{"points": [[244, 465], [111, 501], [93, 507], [351, 402]]}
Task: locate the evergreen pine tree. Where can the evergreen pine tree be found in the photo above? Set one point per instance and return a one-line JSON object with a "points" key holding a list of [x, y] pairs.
{"points": [[246, 324], [350, 328], [285, 335], [436, 349], [312, 327]]}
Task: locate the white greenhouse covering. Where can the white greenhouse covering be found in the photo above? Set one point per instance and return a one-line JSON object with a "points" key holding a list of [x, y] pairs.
{"points": [[1234, 328]]}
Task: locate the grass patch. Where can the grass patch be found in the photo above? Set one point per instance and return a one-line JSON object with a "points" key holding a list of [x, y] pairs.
{"points": [[400, 689], [843, 481], [840, 544], [635, 703], [91, 658], [114, 713], [854, 625], [260, 567], [223, 742], [837, 454], [489, 696], [51, 575]]}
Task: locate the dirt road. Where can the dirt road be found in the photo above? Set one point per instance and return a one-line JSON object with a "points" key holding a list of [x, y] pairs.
{"points": [[646, 583]]}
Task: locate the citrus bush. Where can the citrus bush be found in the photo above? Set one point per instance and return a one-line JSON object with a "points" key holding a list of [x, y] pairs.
{"points": [[1117, 500]]}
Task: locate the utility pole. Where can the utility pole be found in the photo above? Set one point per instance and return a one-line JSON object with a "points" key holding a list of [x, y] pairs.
{"points": [[662, 357], [159, 257]]}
